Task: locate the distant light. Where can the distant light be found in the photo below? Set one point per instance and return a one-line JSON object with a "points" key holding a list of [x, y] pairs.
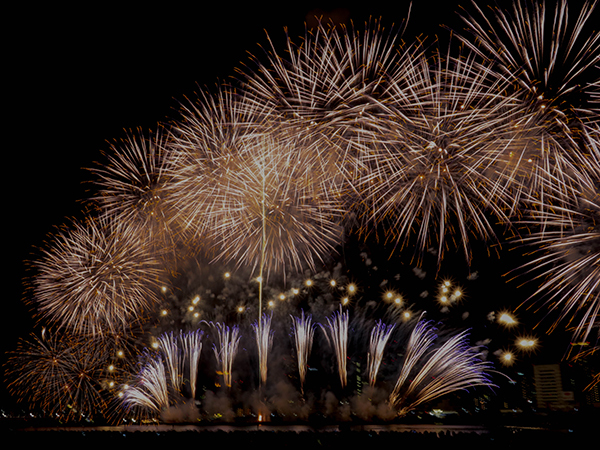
{"points": [[308, 282], [507, 319]]}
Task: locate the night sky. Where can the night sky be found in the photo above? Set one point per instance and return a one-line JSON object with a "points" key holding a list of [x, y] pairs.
{"points": [[79, 80]]}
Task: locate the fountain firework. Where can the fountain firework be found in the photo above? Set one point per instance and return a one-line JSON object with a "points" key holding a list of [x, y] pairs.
{"points": [[379, 337], [303, 331], [336, 333], [264, 342], [225, 349]]}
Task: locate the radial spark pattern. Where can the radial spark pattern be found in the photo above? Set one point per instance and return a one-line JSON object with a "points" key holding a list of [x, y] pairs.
{"points": [[549, 49], [131, 188], [428, 169], [567, 255], [97, 277], [61, 375], [256, 196]]}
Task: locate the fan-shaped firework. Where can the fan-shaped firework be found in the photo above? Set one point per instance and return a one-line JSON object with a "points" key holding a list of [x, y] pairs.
{"points": [[554, 59], [428, 374], [132, 182], [569, 248], [97, 277], [160, 379], [62, 375], [256, 198]]}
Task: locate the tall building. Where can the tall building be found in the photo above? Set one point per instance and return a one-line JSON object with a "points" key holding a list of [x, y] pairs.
{"points": [[548, 386]]}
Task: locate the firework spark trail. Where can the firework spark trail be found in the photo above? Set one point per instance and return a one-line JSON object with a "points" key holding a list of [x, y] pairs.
{"points": [[567, 256], [379, 337], [550, 56], [96, 278], [553, 63], [336, 333], [429, 161], [151, 389], [60, 374], [328, 80], [331, 87], [132, 188], [303, 331], [264, 342], [255, 189], [225, 349], [453, 366], [173, 358], [191, 343], [421, 339]]}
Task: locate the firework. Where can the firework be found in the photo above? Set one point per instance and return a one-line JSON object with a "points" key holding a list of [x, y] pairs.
{"points": [[303, 331], [173, 358], [225, 349], [379, 337], [150, 390], [159, 380], [336, 333], [552, 61], [132, 188], [428, 166], [60, 374], [264, 342], [253, 196], [97, 278], [566, 256], [192, 347], [552, 58], [325, 83], [426, 375]]}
